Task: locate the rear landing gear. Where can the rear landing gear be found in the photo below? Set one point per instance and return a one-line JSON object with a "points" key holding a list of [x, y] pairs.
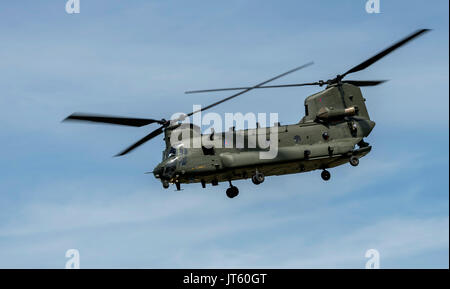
{"points": [[258, 178], [354, 161], [325, 175], [232, 191]]}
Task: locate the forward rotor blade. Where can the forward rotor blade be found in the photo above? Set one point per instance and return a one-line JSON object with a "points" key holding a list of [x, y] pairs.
{"points": [[364, 82], [241, 88], [385, 52], [148, 137], [128, 121], [250, 88]]}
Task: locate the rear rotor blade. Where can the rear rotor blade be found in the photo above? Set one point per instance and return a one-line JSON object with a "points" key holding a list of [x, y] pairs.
{"points": [[241, 88], [365, 82], [250, 88], [354, 82], [385, 52], [145, 139], [127, 121]]}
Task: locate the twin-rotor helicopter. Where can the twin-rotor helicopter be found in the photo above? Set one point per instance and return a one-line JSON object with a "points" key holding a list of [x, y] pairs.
{"points": [[330, 134]]}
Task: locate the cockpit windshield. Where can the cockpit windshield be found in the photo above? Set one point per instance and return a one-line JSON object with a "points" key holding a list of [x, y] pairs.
{"points": [[172, 152]]}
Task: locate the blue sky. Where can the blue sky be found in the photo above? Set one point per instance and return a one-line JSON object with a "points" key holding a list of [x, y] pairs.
{"points": [[60, 187]]}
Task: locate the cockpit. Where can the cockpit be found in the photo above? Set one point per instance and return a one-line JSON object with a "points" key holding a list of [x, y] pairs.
{"points": [[174, 152], [172, 158], [171, 152]]}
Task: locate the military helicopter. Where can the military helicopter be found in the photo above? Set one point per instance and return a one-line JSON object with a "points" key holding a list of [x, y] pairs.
{"points": [[330, 134]]}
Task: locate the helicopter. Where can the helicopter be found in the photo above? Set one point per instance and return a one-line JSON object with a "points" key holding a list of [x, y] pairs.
{"points": [[330, 134]]}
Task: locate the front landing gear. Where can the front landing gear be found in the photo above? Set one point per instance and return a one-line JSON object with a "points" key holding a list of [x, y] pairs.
{"points": [[325, 175], [232, 191]]}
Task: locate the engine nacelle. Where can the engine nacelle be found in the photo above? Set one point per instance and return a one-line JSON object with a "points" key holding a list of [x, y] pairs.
{"points": [[326, 113]]}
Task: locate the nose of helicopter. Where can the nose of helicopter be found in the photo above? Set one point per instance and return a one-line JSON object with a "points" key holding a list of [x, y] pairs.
{"points": [[165, 170], [158, 171]]}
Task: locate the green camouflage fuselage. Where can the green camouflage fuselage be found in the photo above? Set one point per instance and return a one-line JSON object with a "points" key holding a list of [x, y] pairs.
{"points": [[335, 121]]}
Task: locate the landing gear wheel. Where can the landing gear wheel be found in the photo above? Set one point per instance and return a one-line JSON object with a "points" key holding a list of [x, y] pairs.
{"points": [[325, 175], [258, 178], [232, 192], [354, 161], [165, 184]]}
